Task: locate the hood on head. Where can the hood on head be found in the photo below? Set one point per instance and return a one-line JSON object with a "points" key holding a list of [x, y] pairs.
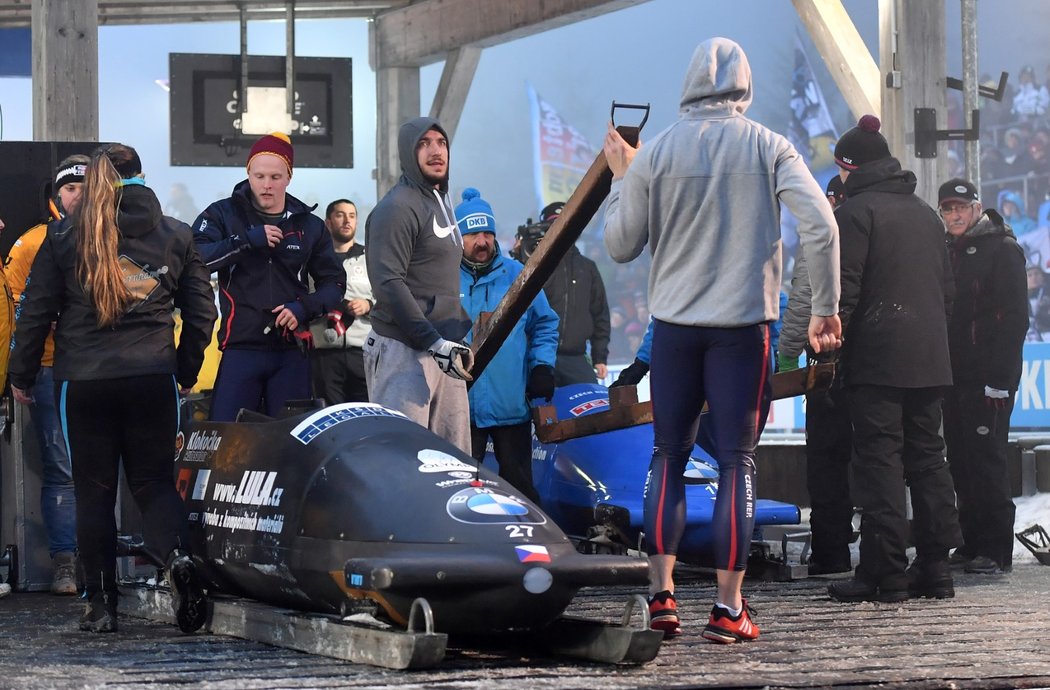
{"points": [[407, 138], [1012, 196], [719, 71]]}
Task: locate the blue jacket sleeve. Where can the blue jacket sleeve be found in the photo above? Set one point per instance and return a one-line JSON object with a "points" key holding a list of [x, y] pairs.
{"points": [[645, 350], [219, 245], [541, 328]]}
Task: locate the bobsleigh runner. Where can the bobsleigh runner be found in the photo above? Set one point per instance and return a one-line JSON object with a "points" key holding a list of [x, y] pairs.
{"points": [[354, 512]]}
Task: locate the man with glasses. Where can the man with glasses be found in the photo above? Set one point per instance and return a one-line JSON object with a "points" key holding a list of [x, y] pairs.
{"points": [[986, 333]]}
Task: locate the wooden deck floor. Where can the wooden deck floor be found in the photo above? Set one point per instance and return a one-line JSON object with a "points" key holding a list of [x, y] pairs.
{"points": [[994, 634]]}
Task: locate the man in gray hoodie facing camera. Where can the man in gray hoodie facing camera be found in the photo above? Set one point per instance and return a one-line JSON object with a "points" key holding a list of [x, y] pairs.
{"points": [[705, 196], [415, 360]]}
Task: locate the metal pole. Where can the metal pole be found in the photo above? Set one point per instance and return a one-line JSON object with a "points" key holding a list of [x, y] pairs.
{"points": [[242, 100], [289, 59], [972, 156]]}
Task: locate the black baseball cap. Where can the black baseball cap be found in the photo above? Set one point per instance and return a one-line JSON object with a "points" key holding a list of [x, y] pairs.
{"points": [[957, 189]]}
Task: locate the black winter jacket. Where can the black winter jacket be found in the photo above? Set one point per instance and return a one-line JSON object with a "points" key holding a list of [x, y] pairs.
{"points": [[990, 317], [163, 270], [577, 294], [897, 284], [254, 280]]}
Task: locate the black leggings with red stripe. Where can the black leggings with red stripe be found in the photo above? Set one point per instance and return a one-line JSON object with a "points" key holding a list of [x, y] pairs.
{"points": [[729, 368]]}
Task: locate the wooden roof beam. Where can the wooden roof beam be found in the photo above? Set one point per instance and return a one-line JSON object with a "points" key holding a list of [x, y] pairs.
{"points": [[425, 32], [847, 58]]}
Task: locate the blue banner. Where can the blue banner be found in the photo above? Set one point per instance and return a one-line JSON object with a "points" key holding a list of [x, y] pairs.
{"points": [[15, 54]]}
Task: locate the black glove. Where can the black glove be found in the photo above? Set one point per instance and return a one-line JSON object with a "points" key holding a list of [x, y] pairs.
{"points": [[632, 374], [541, 382]]}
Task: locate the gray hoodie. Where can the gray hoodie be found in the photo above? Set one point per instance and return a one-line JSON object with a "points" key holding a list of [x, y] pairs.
{"points": [[414, 250], [703, 194]]}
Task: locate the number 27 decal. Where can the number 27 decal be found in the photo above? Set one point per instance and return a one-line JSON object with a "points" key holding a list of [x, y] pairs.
{"points": [[519, 531]]}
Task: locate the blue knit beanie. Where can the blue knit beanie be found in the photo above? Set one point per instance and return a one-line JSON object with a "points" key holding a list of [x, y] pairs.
{"points": [[475, 214]]}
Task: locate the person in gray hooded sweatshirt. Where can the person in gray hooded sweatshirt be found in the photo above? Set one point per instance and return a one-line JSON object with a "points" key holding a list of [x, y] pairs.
{"points": [[415, 361], [704, 194]]}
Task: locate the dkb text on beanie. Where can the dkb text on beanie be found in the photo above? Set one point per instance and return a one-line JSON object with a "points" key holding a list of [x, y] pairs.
{"points": [[475, 214]]}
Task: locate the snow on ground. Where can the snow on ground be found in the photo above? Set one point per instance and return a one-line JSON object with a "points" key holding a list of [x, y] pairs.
{"points": [[1031, 510]]}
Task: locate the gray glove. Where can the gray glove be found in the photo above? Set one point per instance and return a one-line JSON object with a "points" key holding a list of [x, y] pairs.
{"points": [[455, 359]]}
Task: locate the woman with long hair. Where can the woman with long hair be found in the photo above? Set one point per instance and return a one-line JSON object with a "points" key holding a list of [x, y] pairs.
{"points": [[110, 277]]}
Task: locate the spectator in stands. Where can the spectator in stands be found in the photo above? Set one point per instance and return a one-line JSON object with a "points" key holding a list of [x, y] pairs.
{"points": [[1031, 99], [1038, 301], [1011, 206], [1016, 158]]}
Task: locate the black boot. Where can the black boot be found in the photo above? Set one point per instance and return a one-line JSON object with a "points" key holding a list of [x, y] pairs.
{"points": [[856, 589], [930, 578], [100, 613], [187, 594]]}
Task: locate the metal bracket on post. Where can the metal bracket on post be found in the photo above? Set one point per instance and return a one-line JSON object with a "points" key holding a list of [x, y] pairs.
{"points": [[927, 135], [995, 94]]}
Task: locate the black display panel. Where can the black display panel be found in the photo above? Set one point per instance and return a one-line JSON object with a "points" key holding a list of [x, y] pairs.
{"points": [[209, 129]]}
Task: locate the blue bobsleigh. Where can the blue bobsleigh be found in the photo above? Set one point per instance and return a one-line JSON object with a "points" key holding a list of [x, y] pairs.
{"points": [[607, 472]]}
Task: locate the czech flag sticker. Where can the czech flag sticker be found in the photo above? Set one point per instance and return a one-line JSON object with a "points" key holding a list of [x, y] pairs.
{"points": [[532, 554]]}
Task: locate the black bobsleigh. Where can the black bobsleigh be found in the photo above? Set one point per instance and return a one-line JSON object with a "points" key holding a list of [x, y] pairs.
{"points": [[333, 507], [607, 472]]}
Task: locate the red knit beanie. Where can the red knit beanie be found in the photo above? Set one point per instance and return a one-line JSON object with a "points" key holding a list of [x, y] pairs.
{"points": [[276, 144]]}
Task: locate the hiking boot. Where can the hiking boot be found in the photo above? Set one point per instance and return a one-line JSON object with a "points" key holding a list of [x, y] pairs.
{"points": [[930, 579], [856, 590], [960, 557], [64, 580], [100, 613], [982, 565], [187, 594], [663, 614], [725, 629]]}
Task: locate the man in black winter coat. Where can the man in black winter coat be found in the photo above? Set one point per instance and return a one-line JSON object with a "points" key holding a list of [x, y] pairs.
{"points": [[985, 335], [896, 291], [576, 292]]}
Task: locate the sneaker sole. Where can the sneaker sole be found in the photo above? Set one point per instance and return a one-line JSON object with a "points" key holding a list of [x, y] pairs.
{"points": [[668, 628], [723, 636]]}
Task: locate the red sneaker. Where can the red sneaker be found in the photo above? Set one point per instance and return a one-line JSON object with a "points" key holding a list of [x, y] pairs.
{"points": [[663, 613], [725, 629]]}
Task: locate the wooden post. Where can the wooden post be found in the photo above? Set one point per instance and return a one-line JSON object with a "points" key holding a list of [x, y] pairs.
{"points": [[397, 91], [65, 70], [914, 66]]}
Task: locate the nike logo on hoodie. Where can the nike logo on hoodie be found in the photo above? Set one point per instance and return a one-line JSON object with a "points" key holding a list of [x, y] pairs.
{"points": [[441, 232]]}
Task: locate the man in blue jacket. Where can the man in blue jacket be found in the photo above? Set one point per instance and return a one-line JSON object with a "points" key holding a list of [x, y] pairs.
{"points": [[524, 366], [264, 242]]}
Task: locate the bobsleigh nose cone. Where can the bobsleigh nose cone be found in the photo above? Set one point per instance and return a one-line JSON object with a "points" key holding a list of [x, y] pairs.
{"points": [[537, 580]]}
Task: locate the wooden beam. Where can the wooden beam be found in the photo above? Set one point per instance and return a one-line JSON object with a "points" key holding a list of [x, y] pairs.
{"points": [[847, 58], [912, 42], [454, 86], [424, 32], [65, 71], [16, 13]]}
